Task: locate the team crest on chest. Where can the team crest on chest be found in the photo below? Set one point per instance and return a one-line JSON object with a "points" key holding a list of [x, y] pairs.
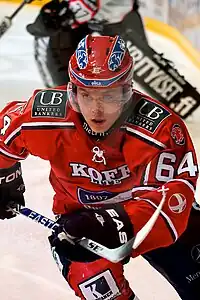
{"points": [[98, 155]]}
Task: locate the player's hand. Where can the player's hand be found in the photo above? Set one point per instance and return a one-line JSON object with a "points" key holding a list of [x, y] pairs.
{"points": [[11, 191], [108, 226], [53, 16]]}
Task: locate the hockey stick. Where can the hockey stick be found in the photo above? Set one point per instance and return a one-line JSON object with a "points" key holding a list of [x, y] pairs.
{"points": [[113, 255], [145, 230], [6, 23]]}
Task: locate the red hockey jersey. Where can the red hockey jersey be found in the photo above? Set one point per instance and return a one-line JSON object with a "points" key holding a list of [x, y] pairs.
{"points": [[150, 149]]}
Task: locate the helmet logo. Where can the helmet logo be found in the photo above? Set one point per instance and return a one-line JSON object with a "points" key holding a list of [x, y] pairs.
{"points": [[96, 70], [117, 54], [98, 155], [96, 83], [81, 54]]}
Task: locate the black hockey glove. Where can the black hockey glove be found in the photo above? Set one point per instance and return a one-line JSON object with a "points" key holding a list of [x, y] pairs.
{"points": [[11, 190], [53, 16], [108, 226]]}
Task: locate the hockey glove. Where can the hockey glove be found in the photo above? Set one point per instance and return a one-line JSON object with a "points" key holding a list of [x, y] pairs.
{"points": [[53, 16], [108, 226], [11, 190]]}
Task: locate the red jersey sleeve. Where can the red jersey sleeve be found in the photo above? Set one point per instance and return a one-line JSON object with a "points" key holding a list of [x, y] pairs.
{"points": [[11, 119], [20, 121], [166, 156]]}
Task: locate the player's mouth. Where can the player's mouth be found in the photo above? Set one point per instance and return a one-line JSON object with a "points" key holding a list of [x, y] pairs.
{"points": [[98, 121]]}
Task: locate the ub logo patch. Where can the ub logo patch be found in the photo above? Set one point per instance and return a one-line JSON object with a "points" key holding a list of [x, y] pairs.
{"points": [[177, 135], [50, 104], [117, 54], [148, 115], [100, 287], [81, 54]]}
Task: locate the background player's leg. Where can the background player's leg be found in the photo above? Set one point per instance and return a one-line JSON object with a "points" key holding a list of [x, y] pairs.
{"points": [[180, 262], [52, 55], [131, 26]]}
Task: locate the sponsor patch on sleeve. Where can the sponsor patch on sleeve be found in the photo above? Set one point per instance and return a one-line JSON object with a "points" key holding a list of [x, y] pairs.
{"points": [[101, 287], [177, 203], [50, 104], [177, 134], [148, 115]]}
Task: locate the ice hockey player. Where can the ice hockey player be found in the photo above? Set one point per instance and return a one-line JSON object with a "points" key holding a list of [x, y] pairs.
{"points": [[111, 151], [67, 22]]}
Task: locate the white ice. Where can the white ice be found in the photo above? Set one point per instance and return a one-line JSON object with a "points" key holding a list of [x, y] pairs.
{"points": [[27, 270]]}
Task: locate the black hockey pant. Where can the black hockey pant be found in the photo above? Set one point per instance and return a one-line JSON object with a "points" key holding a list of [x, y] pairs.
{"points": [[180, 263]]}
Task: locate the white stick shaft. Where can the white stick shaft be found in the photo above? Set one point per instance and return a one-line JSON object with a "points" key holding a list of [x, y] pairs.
{"points": [[113, 255], [142, 234]]}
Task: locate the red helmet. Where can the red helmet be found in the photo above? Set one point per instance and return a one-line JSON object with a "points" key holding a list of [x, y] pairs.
{"points": [[101, 61]]}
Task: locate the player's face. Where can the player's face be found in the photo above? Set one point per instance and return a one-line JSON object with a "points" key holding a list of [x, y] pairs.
{"points": [[100, 107]]}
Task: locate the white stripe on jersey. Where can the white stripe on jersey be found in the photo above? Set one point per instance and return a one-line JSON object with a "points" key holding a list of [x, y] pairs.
{"points": [[35, 124], [184, 181], [13, 156], [13, 133], [146, 137], [165, 216]]}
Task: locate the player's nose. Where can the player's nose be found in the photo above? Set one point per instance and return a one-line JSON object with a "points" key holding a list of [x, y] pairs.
{"points": [[97, 107]]}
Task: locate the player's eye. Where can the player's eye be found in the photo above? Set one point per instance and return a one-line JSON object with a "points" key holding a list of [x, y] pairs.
{"points": [[108, 98], [85, 96]]}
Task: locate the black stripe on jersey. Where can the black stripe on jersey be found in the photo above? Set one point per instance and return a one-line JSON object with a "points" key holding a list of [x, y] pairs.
{"points": [[168, 226], [13, 137], [192, 183], [149, 142], [166, 223], [11, 156], [48, 127]]}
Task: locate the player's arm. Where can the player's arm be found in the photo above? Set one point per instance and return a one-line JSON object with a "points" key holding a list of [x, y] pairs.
{"points": [[174, 166], [84, 11], [23, 130], [11, 152]]}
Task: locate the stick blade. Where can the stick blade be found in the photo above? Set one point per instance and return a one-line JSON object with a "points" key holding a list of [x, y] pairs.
{"points": [[5, 25], [114, 255]]}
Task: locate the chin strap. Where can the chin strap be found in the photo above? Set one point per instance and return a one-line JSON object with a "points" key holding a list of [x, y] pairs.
{"points": [[90, 132]]}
